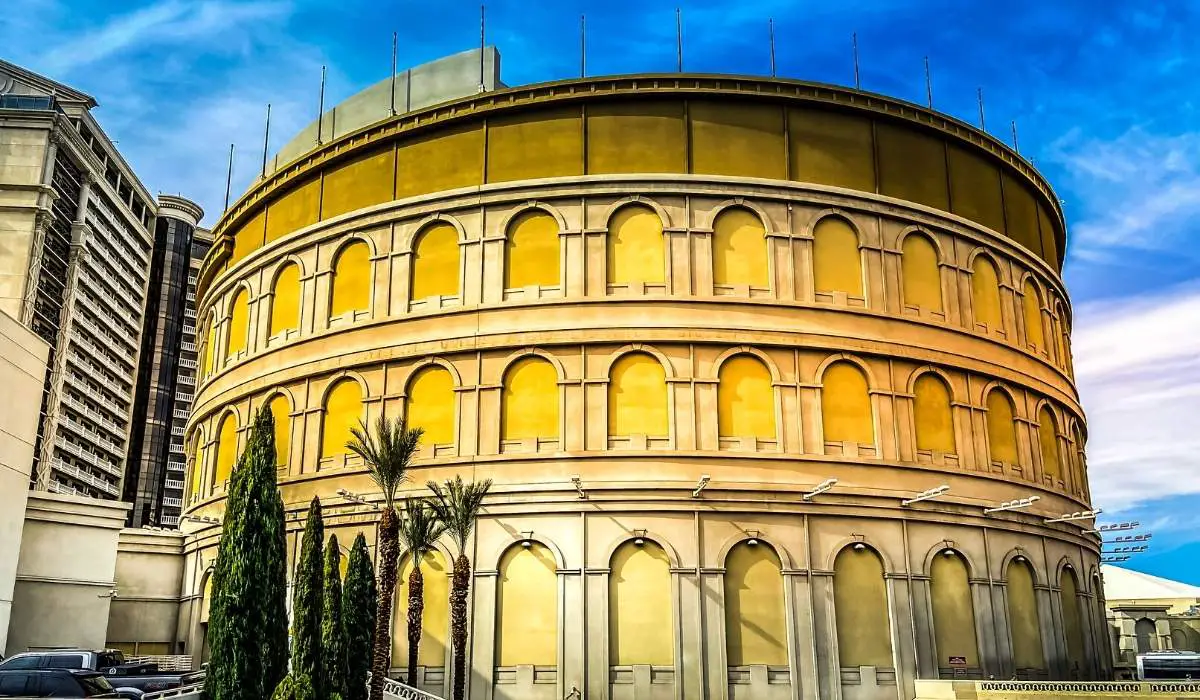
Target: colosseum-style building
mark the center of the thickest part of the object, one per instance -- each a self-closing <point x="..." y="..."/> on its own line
<point x="659" y="311"/>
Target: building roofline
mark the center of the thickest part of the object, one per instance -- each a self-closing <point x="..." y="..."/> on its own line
<point x="54" y="87"/>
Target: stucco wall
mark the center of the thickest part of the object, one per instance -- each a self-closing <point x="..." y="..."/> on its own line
<point x="144" y="614"/>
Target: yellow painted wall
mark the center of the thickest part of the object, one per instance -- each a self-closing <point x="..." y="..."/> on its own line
<point x="975" y="188"/>
<point x="1072" y="620"/>
<point x="755" y="617"/>
<point x="1002" y="430"/>
<point x="430" y="405"/>
<point x="920" y="273"/>
<point x="435" y="619"/>
<point x="953" y="610"/>
<point x="739" y="246"/>
<point x="912" y="165"/>
<point x="449" y="158"/>
<point x="864" y="634"/>
<point x="1020" y="213"/>
<point x="435" y="267"/>
<point x="635" y="246"/>
<point x="227" y="450"/>
<point x="1034" y="334"/>
<point x="295" y="210"/>
<point x="932" y="414"/>
<point x="833" y="151"/>
<point x="1050" y="249"/>
<point x="358" y="183"/>
<point x="846" y="405"/>
<point x="343" y="411"/>
<point x="1023" y="617"/>
<point x="527" y="608"/>
<point x="531" y="252"/>
<point x="529" y="405"/>
<point x="239" y="328"/>
<point x="351" y="280"/>
<point x="546" y="143"/>
<point x="1048" y="442"/>
<point x="743" y="139"/>
<point x="643" y="136"/>
<point x="640" y="625"/>
<point x="285" y="300"/>
<point x="280" y="410"/>
<point x="250" y="237"/>
<point x="837" y="262"/>
<point x="745" y="399"/>
<point x="637" y="396"/>
<point x="985" y="293"/>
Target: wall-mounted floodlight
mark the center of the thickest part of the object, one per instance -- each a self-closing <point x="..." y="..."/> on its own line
<point x="578" y="483"/>
<point x="1127" y="550"/>
<point x="527" y="539"/>
<point x="203" y="519"/>
<point x="1077" y="515"/>
<point x="356" y="498"/>
<point x="704" y="479"/>
<point x="639" y="537"/>
<point x="1013" y="505"/>
<point x="754" y="535"/>
<point x="1114" y="527"/>
<point x="1133" y="538"/>
<point x="820" y="489"/>
<point x="926" y="495"/>
<point x="1113" y="560"/>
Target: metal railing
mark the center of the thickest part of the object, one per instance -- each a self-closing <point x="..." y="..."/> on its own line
<point x="174" y="484"/>
<point x="186" y="363"/>
<point x="88" y="457"/>
<point x="93" y="414"/>
<point x="396" y="689"/>
<point x="190" y="347"/>
<point x="172" y="501"/>
<point x="77" y="473"/>
<point x="97" y="439"/>
<point x="171" y="521"/>
<point x="181" y="413"/>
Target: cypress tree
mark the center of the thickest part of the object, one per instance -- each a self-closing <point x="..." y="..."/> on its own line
<point x="358" y="617"/>
<point x="333" y="632"/>
<point x="247" y="631"/>
<point x="308" y="602"/>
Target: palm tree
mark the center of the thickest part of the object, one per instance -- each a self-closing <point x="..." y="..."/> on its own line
<point x="457" y="505"/>
<point x="419" y="531"/>
<point x="387" y="454"/>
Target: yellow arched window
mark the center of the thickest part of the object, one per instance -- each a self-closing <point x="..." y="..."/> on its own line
<point x="351" y="280"/>
<point x="210" y="343"/>
<point x="1080" y="461"/>
<point x="531" y="251"/>
<point x="197" y="454"/>
<point x="837" y="262"/>
<point x="435" y="620"/>
<point x="1001" y="427"/>
<point x="985" y="293"/>
<point x="281" y="414"/>
<point x="755" y="618"/>
<point x="529" y="403"/>
<point x="430" y="405"/>
<point x="285" y="300"/>
<point x="1048" y="442"/>
<point x="343" y="411"/>
<point x="846" y="405"/>
<point x="745" y="399"/>
<point x="1024" y="629"/>
<point x="1034" y="336"/>
<point x="739" y="248"/>
<point x="864" y="635"/>
<point x="953" y="610"/>
<point x="1062" y="335"/>
<point x="637" y="396"/>
<point x="635" y="246"/>
<point x="435" y="266"/>
<point x="932" y="414"/>
<point x="640" y="628"/>
<point x="239" y="329"/>
<point x="1072" y="621"/>
<point x="922" y="277"/>
<point x="527" y="607"/>
<point x="227" y="450"/>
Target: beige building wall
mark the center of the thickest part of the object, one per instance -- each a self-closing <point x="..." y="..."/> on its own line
<point x="22" y="370"/>
<point x="144" y="613"/>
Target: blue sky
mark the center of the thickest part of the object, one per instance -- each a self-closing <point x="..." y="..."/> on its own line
<point x="1104" y="94"/>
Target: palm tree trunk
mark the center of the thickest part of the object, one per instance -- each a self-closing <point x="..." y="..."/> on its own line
<point x="389" y="553"/>
<point x="416" y="608"/>
<point x="458" y="622"/>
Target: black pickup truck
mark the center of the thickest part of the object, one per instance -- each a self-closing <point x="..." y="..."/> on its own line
<point x="143" y="676"/>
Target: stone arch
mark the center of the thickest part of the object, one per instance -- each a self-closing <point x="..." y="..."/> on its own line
<point x="560" y="561"/>
<point x="641" y="615"/>
<point x="785" y="556"/>
<point x="730" y="353"/>
<point x="218" y="476"/>
<point x="528" y="207"/>
<point x="616" y="206"/>
<point x="284" y="261"/>
<point x="283" y="433"/>
<point x="642" y="348"/>
<point x="518" y="355"/>
<point x="755" y="605"/>
<point x="350" y="240"/>
<point x="530" y="398"/>
<point x="337" y="377"/>
<point x="928" y="235"/>
<point x="836" y="213"/>
<point x="432" y="360"/>
<point x="931" y="369"/>
<point x="861" y="607"/>
<point x="438" y="415"/>
<point x="739" y="203"/>
<point x="1005" y="389"/>
<point x="410" y="237"/>
<point x="852" y="540"/>
<point x="650" y="536"/>
<point x="1019" y="551"/>
<point x="527" y="629"/>
<point x="234" y="293"/>
<point x="872" y="384"/>
<point x="936" y="550"/>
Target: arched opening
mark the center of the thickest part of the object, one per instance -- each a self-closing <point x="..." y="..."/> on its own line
<point x="281" y="411"/>
<point x="227" y="450"/>
<point x="342" y="411"/>
<point x="932" y="414"/>
<point x="837" y="261"/>
<point x="435" y="618"/>
<point x="1048" y="442"/>
<point x="755" y="616"/>
<point x="351" y="280"/>
<point x="285" y="300"/>
<point x="635" y="246"/>
<point x="1024" y="629"/>
<point x="435" y="263"/>
<point x="1145" y="631"/>
<point x="985" y="293"/>
<point x="430" y="405"/>
<point x="864" y="631"/>
<point x="739" y="248"/>
<point x="239" y="329"/>
<point x="1001" y="427"/>
<point x="529" y="400"/>
<point x="210" y="343"/>
<point x="531" y="251"/>
<point x="953" y="611"/>
<point x="1034" y="335"/>
<point x="637" y="396"/>
<point x="1080" y="461"/>
<point x="922" y="277"/>
<point x="641" y="629"/>
<point x="846" y="413"/>
<point x="197" y="467"/>
<point x="527" y="607"/>
<point x="745" y="399"/>
<point x="1072" y="622"/>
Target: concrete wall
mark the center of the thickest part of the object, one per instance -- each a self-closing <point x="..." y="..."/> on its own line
<point x="144" y="614"/>
<point x="65" y="573"/>
<point x="22" y="372"/>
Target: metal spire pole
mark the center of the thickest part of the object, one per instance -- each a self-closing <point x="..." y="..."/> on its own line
<point x="393" y="98"/>
<point x="482" y="43"/>
<point x="321" y="107"/>
<point x="266" y="140"/>
<point x="771" y="34"/>
<point x="582" y="46"/>
<point x="928" y="85"/>
<point x="982" y="121"/>
<point x="1016" y="145"/>
<point x="228" y="177"/>
<point x="678" y="40"/>
<point x="854" y="43"/>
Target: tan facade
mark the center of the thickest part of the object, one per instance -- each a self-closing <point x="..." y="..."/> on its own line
<point x="655" y="368"/>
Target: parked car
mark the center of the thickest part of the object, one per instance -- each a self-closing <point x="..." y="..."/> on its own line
<point x="111" y="662"/>
<point x="60" y="683"/>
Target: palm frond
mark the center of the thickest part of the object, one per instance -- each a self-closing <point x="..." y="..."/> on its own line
<point x="457" y="505"/>
<point x="387" y="452"/>
<point x="420" y="528"/>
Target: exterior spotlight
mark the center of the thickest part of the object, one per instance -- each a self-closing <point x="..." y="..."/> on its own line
<point x="1113" y="560"/>
<point x="578" y="483"/>
<point x="704" y="479"/>
<point x="639" y="537"/>
<point x="859" y="546"/>
<point x="754" y="534"/>
<point x="1019" y="557"/>
<point x="947" y="552"/>
<point x="356" y="498"/>
<point x="527" y="540"/>
<point x="1078" y="515"/>
<point x="926" y="495"/>
<point x="1013" y="505"/>
<point x="820" y="489"/>
<point x="202" y="519"/>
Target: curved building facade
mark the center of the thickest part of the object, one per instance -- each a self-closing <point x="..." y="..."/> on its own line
<point x="659" y="311"/>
